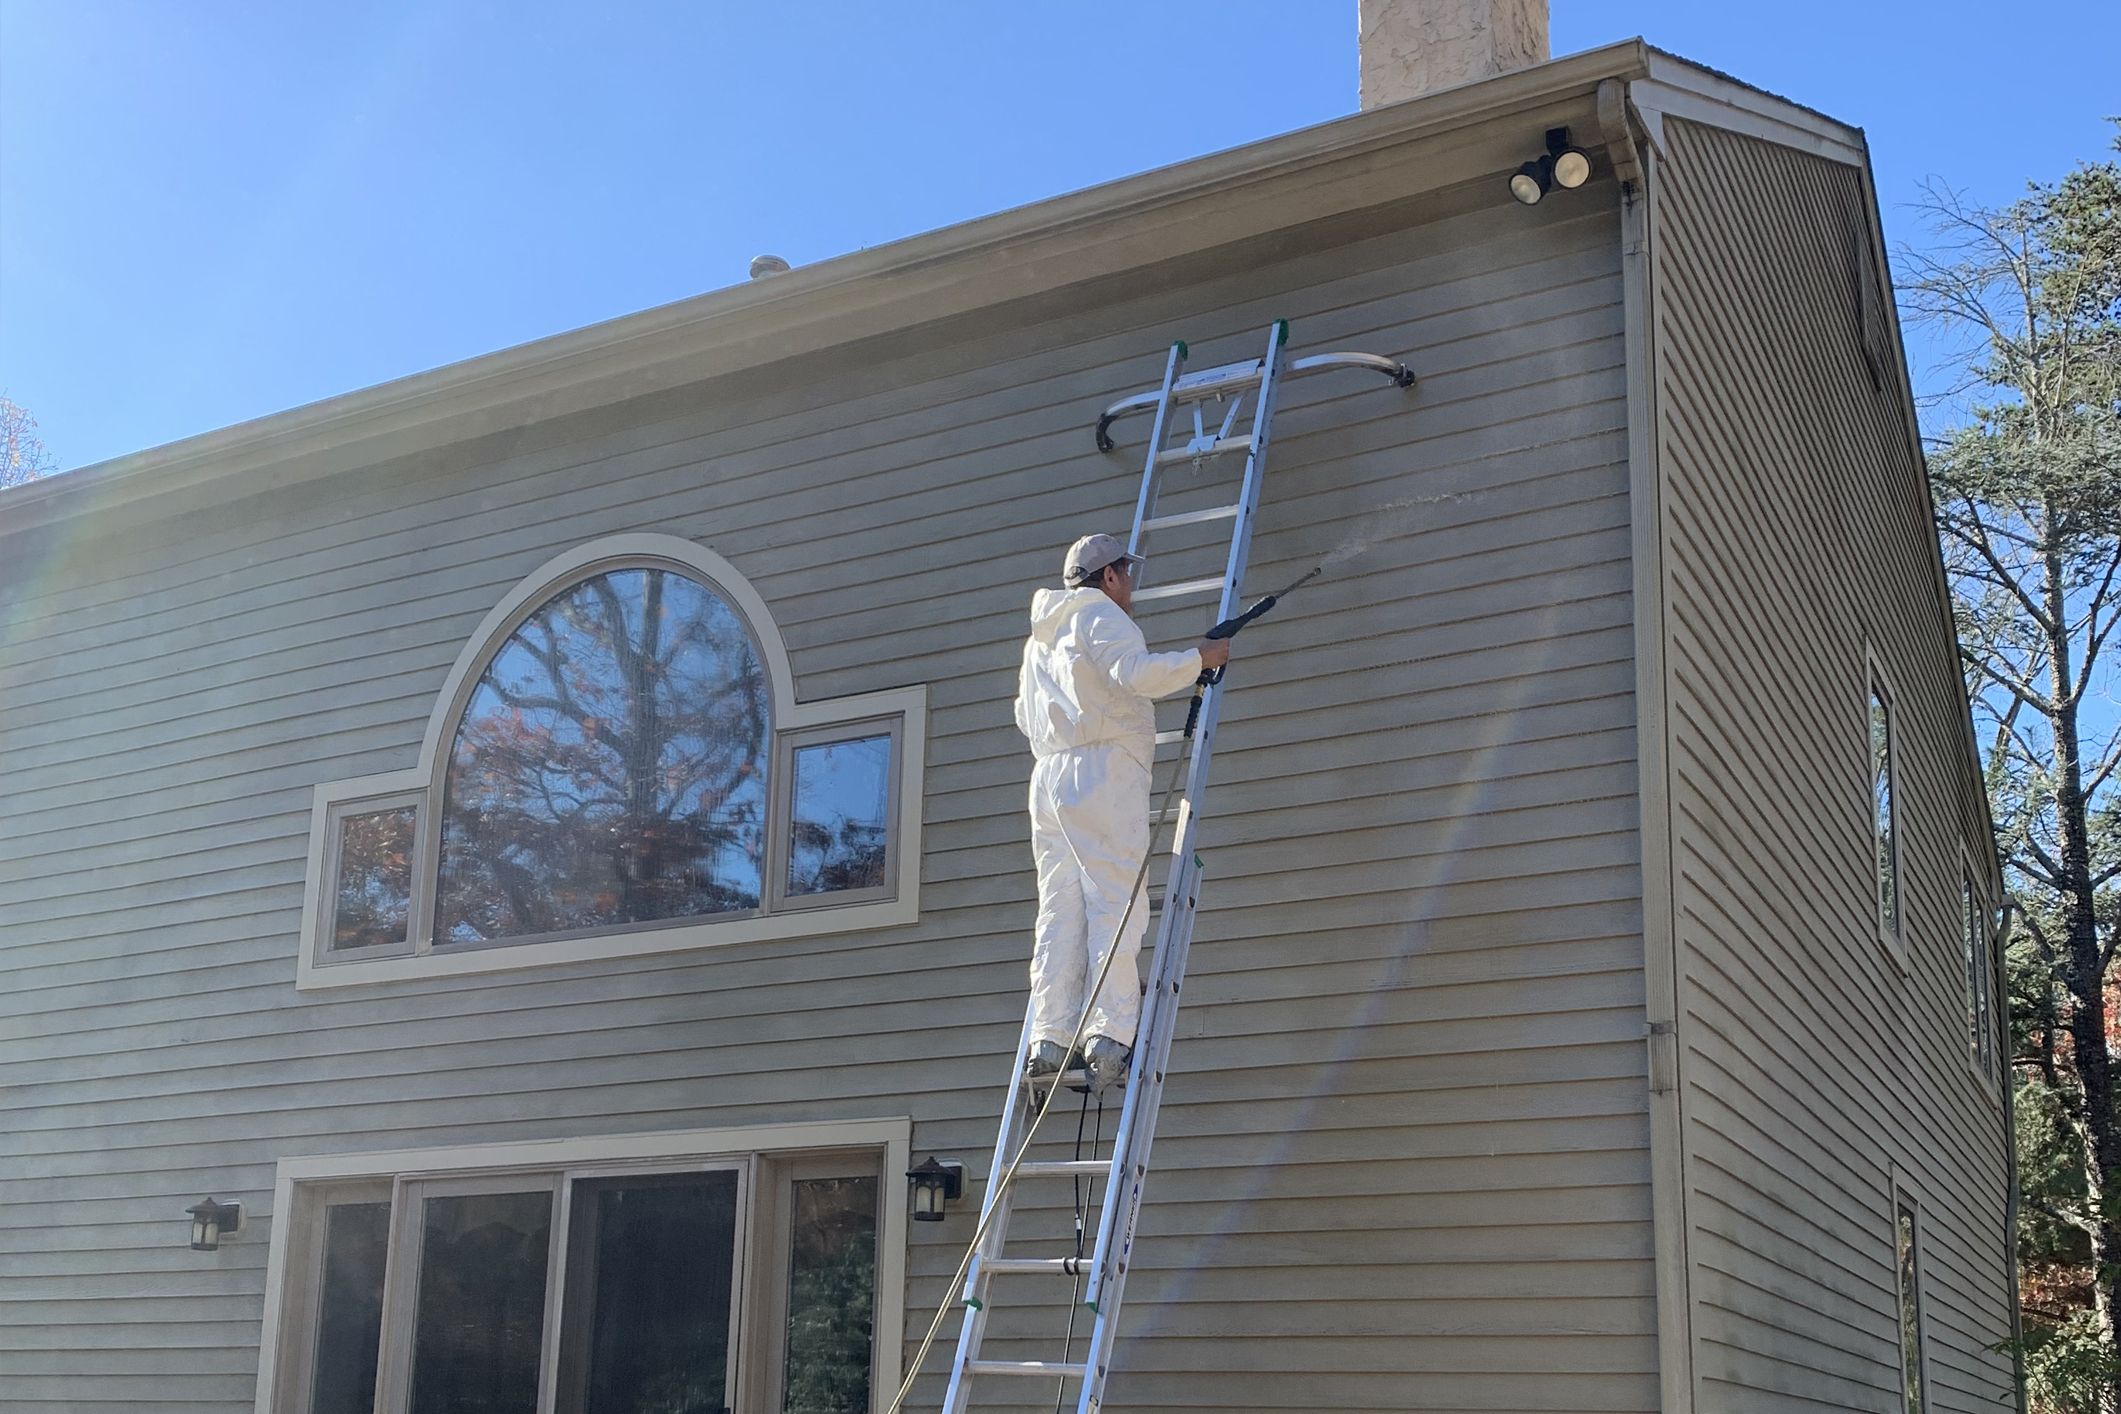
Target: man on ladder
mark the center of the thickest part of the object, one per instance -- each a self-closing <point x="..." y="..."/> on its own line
<point x="1084" y="698"/>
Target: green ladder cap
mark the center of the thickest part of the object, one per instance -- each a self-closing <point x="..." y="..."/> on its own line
<point x="1199" y="863"/>
<point x="1180" y="345"/>
<point x="1281" y="332"/>
<point x="974" y="1303"/>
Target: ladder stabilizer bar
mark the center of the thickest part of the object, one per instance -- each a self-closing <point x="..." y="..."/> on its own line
<point x="1237" y="377"/>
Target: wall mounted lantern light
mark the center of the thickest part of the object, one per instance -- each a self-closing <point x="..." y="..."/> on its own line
<point x="210" y="1220"/>
<point x="1563" y="166"/>
<point x="934" y="1182"/>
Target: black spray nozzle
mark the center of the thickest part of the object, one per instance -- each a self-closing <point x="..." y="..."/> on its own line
<point x="1228" y="628"/>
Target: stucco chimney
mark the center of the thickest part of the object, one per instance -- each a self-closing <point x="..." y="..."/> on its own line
<point x="1411" y="47"/>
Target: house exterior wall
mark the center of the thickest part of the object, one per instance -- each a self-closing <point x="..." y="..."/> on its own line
<point x="1403" y="1158"/>
<point x="1816" y="1071"/>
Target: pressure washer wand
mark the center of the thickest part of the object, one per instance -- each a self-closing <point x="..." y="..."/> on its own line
<point x="1228" y="629"/>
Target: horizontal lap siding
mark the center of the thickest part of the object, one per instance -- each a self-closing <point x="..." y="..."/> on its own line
<point x="1403" y="1158"/>
<point x="1796" y="536"/>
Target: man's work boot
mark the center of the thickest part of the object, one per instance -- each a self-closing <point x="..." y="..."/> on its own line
<point x="1107" y="1060"/>
<point x="1046" y="1058"/>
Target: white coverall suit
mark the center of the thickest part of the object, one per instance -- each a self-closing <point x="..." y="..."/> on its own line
<point x="1084" y="699"/>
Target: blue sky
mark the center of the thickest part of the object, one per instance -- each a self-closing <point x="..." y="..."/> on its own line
<point x="212" y="211"/>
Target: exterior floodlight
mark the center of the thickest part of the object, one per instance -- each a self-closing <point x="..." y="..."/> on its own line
<point x="934" y="1183"/>
<point x="1531" y="181"/>
<point x="1563" y="166"/>
<point x="1571" y="165"/>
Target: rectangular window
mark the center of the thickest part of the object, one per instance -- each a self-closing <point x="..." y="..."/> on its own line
<point x="840" y="805"/>
<point x="590" y="1290"/>
<point x="1983" y="1041"/>
<point x="1908" y="1284"/>
<point x="371" y="879"/>
<point x="831" y="1295"/>
<point x="1885" y="832"/>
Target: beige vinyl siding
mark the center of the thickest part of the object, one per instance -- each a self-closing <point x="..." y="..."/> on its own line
<point x="1797" y="538"/>
<point x="1403" y="1159"/>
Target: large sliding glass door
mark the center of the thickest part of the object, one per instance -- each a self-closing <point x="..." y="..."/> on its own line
<point x="746" y="1284"/>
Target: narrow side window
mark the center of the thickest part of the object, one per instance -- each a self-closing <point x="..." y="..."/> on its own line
<point x="1976" y="982"/>
<point x="1885" y="834"/>
<point x="1908" y="1283"/>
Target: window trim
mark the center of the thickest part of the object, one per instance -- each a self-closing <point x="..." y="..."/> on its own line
<point x="1892" y="938"/>
<point x="526" y="1163"/>
<point x="423" y="783"/>
<point x="306" y="1301"/>
<point x="766" y="1387"/>
<point x="394" y="1358"/>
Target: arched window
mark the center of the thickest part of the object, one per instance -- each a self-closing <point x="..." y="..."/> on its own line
<point x="618" y="765"/>
<point x="610" y="767"/>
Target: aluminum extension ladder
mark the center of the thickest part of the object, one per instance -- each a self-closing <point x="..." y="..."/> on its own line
<point x="1126" y="1170"/>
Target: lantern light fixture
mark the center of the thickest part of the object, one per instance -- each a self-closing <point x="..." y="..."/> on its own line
<point x="211" y="1220"/>
<point x="934" y="1182"/>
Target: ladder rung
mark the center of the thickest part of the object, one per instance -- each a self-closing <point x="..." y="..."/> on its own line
<point x="1166" y="738"/>
<point x="1066" y="1168"/>
<point x="1201" y="451"/>
<point x="1036" y="1266"/>
<point x="1048" y="1369"/>
<point x="1190" y="518"/>
<point x="1179" y="590"/>
<point x="1215" y="382"/>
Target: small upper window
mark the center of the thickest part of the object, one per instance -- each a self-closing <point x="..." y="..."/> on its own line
<point x="610" y="767"/>
<point x="1885" y="831"/>
<point x="839" y="826"/>
<point x="372" y="881"/>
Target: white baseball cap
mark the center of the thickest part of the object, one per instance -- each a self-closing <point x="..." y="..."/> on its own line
<point x="1092" y="553"/>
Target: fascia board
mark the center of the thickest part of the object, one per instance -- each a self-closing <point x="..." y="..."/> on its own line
<point x="1297" y="179"/>
<point x="1682" y="89"/>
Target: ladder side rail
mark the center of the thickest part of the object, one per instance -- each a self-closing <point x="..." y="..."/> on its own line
<point x="1004" y="1151"/>
<point x="1145" y="502"/>
<point x="973" y="1294"/>
<point x="1126" y="1202"/>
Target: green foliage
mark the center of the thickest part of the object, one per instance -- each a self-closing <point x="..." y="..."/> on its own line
<point x="2027" y="489"/>
<point x="2069" y="1369"/>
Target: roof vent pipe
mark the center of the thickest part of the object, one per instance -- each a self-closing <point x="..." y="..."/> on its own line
<point x="764" y="265"/>
<point x="1412" y="47"/>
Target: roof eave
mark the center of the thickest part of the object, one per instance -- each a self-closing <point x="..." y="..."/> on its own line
<point x="1390" y="152"/>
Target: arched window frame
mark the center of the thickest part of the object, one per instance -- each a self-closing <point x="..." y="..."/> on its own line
<point x="900" y="712"/>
